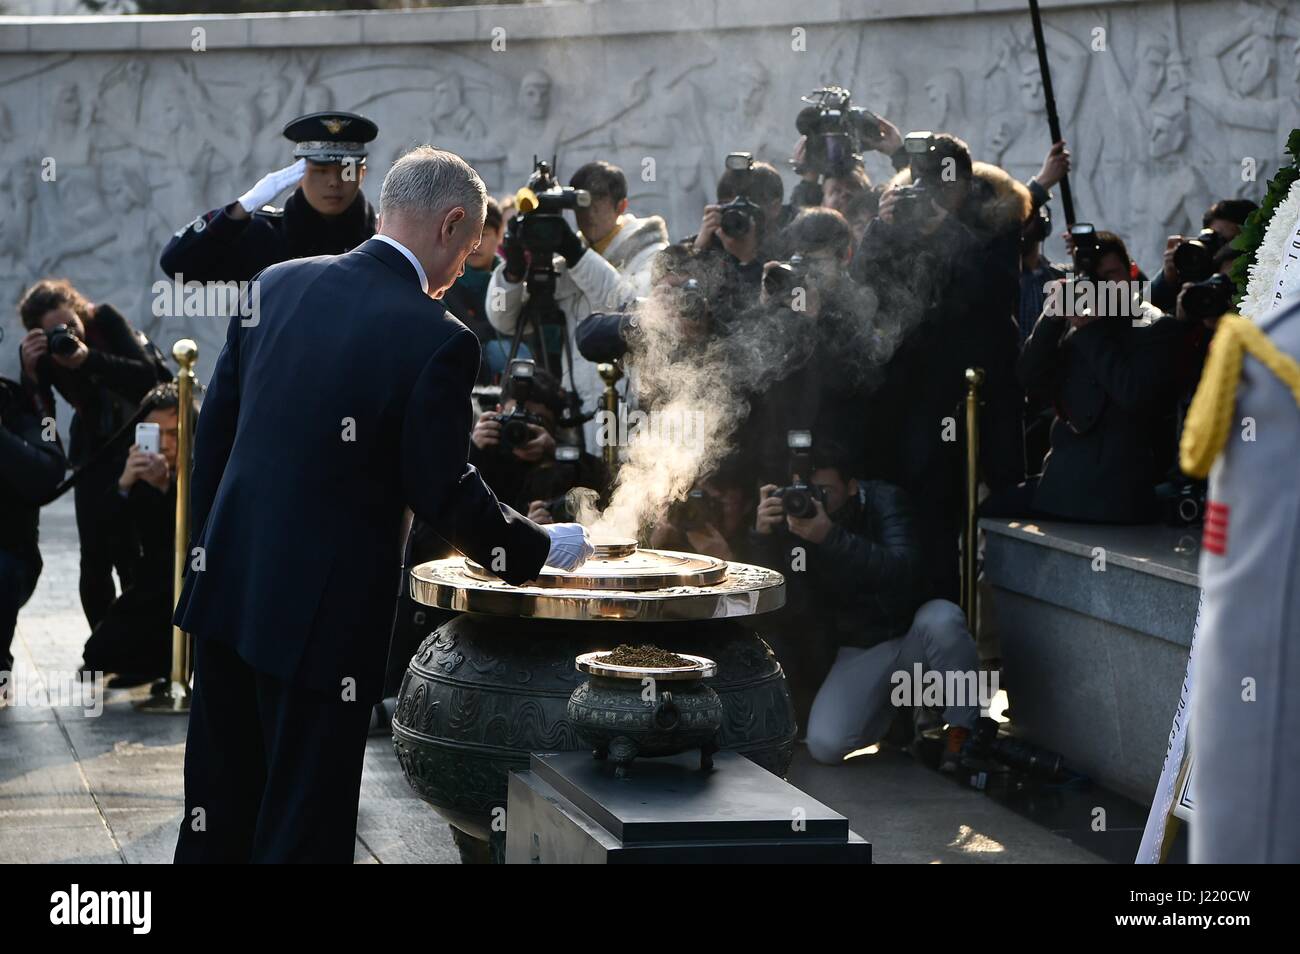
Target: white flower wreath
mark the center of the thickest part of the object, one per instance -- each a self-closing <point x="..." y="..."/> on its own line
<point x="1275" y="272"/>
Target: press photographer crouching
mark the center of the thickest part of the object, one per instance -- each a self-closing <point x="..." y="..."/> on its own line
<point x="31" y="467"/>
<point x="514" y="448"/>
<point x="1105" y="359"/>
<point x="134" y="640"/>
<point x="856" y="611"/>
<point x="92" y="356"/>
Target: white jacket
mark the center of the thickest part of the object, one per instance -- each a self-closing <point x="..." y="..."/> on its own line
<point x="594" y="284"/>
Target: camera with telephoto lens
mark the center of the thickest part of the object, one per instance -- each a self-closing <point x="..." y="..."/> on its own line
<point x="836" y="131"/>
<point x="1194" y="258"/>
<point x="799" y="498"/>
<point x="515" y="430"/>
<point x="1209" y="298"/>
<point x="63" y="340"/>
<point x="540" y="206"/>
<point x="1087" y="248"/>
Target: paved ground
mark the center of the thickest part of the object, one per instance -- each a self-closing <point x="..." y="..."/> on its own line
<point x="107" y="789"/>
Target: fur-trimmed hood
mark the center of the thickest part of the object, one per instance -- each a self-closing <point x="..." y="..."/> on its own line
<point x="636" y="237"/>
<point x="998" y="205"/>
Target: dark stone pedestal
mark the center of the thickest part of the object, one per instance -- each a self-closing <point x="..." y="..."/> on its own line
<point x="569" y="808"/>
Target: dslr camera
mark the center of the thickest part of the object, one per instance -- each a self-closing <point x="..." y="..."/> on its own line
<point x="515" y="430"/>
<point x="697" y="511"/>
<point x="63" y="340"/>
<point x="1208" y="298"/>
<point x="837" y="132"/>
<point x="541" y="206"/>
<point x="1194" y="257"/>
<point x="1087" y="248"/>
<point x="782" y="277"/>
<point x="741" y="215"/>
<point x="798" y="498"/>
<point x="913" y="203"/>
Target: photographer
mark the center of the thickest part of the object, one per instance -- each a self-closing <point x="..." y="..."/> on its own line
<point x="1110" y="377"/>
<point x="327" y="214"/>
<point x="814" y="315"/>
<point x="714" y="517"/>
<point x="602" y="275"/>
<point x="679" y="295"/>
<point x="30" y="469"/>
<point x="942" y="259"/>
<point x="91" y="356"/>
<point x="134" y="640"/>
<point x="1221" y="224"/>
<point x="856" y="610"/>
<point x="514" y="448"/>
<point x="741" y="230"/>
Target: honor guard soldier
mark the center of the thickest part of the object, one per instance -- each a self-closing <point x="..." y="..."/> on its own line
<point x="1243" y="429"/>
<point x="327" y="214"/>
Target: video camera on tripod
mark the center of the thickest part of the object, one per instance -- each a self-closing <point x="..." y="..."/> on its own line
<point x="540" y="220"/>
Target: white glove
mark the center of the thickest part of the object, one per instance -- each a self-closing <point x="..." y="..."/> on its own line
<point x="570" y="547"/>
<point x="271" y="185"/>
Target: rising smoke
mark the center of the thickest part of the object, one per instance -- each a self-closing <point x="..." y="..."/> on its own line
<point x="712" y="379"/>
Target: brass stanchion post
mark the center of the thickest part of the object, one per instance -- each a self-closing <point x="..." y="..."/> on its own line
<point x="610" y="374"/>
<point x="970" y="546"/>
<point x="176" y="696"/>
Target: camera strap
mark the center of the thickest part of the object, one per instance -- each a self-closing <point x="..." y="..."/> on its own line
<point x="99" y="456"/>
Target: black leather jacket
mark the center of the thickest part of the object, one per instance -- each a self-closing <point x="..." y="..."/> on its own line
<point x="865" y="581"/>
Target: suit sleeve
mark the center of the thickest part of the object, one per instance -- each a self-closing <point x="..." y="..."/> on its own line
<point x="215" y="435"/>
<point x="440" y="485"/>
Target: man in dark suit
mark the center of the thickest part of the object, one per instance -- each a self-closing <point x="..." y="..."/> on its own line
<point x="344" y="399"/>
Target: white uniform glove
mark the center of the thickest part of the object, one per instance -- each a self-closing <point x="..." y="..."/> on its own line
<point x="271" y="185"/>
<point x="570" y="547"/>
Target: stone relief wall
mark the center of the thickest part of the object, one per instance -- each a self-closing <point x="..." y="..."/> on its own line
<point x="148" y="134"/>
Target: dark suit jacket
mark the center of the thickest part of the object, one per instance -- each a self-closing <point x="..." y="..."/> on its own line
<point x="348" y="400"/>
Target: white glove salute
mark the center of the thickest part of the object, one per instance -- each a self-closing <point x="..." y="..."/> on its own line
<point x="570" y="547"/>
<point x="271" y="185"/>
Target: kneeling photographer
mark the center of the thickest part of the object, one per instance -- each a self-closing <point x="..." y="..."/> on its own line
<point x="856" y="611"/>
<point x="30" y="470"/>
<point x="134" y="640"/>
<point x="514" y="448"/>
<point x="92" y="356"/>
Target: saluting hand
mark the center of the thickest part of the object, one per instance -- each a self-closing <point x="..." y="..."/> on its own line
<point x="267" y="188"/>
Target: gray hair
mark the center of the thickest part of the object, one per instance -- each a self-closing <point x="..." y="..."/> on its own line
<point x="427" y="181"/>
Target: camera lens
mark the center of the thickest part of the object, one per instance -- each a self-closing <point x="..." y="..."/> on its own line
<point x="62" y="341"/>
<point x="735" y="223"/>
<point x="1194" y="261"/>
<point x="798" y="503"/>
<point x="516" y="432"/>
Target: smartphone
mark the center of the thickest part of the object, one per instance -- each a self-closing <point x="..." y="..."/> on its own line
<point x="148" y="437"/>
